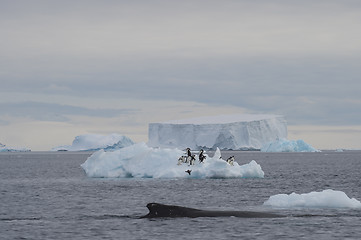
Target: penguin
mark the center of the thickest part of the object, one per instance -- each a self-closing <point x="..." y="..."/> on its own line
<point x="181" y="160"/>
<point x="192" y="160"/>
<point x="188" y="171"/>
<point x="230" y="160"/>
<point x="201" y="156"/>
<point x="189" y="154"/>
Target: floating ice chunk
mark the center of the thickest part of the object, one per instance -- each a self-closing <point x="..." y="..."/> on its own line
<point x="285" y="145"/>
<point x="4" y="148"/>
<point x="326" y="199"/>
<point x="94" y="142"/>
<point x="142" y="161"/>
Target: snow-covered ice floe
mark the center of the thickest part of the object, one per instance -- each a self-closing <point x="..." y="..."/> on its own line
<point x="4" y="148"/>
<point x="326" y="199"/>
<point x="94" y="142"/>
<point x="285" y="145"/>
<point x="142" y="161"/>
<point x="230" y="132"/>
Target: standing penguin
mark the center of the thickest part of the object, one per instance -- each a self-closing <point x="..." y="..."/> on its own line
<point x="192" y="160"/>
<point x="189" y="154"/>
<point x="201" y="156"/>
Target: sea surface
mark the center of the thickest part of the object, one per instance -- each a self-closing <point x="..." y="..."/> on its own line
<point x="47" y="195"/>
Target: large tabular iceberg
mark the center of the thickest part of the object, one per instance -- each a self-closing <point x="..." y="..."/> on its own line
<point x="94" y="142"/>
<point x="285" y="145"/>
<point x="326" y="199"/>
<point x="233" y="132"/>
<point x="142" y="161"/>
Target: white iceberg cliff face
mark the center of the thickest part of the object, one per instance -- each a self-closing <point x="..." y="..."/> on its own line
<point x="326" y="199"/>
<point x="142" y="161"/>
<point x="232" y="132"/>
<point x="94" y="142"/>
<point x="285" y="145"/>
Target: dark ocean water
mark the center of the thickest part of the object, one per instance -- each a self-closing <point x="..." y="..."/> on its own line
<point x="46" y="195"/>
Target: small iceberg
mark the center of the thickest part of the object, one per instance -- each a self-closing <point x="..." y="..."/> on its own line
<point x="142" y="161"/>
<point x="4" y="148"/>
<point x="326" y="199"/>
<point x="95" y="142"/>
<point x="285" y="145"/>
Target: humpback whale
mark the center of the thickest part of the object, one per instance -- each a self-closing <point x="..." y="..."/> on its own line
<point x="157" y="210"/>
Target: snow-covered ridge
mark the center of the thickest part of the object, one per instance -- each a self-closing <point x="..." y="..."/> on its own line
<point x="234" y="132"/>
<point x="326" y="199"/>
<point x="94" y="142"/>
<point x="142" y="161"/>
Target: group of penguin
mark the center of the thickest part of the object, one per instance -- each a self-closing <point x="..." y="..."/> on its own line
<point x="191" y="158"/>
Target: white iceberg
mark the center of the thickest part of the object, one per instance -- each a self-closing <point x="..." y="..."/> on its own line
<point x="285" y="145"/>
<point x="94" y="142"/>
<point x="231" y="132"/>
<point x="4" y="148"/>
<point x="142" y="161"/>
<point x="326" y="199"/>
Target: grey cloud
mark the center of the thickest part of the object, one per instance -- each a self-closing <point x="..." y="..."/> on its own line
<point x="301" y="59"/>
<point x="56" y="112"/>
<point x="4" y="122"/>
<point x="312" y="89"/>
<point x="129" y="28"/>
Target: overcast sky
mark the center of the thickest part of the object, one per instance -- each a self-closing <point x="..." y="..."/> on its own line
<point x="74" y="67"/>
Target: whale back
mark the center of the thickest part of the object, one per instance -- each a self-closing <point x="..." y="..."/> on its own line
<point x="157" y="210"/>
